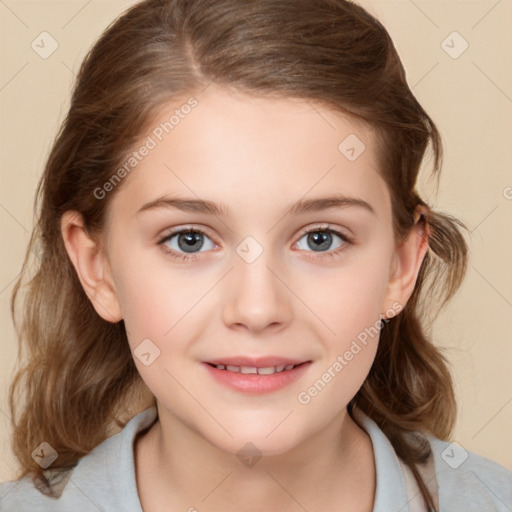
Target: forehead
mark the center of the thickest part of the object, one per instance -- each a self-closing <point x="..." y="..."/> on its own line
<point x="251" y="152"/>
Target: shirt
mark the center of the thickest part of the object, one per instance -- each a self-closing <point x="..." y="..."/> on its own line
<point x="104" y="479"/>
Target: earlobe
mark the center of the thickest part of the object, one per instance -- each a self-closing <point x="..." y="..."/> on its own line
<point x="91" y="265"/>
<point x="406" y="264"/>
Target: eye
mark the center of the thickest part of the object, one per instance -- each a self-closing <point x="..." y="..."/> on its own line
<point x="189" y="240"/>
<point x="321" y="238"/>
<point x="184" y="244"/>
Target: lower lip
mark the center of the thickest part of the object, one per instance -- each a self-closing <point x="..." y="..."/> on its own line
<point x="255" y="383"/>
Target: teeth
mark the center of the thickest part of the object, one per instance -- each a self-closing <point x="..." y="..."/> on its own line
<point x="252" y="369"/>
<point x="266" y="371"/>
<point x="248" y="369"/>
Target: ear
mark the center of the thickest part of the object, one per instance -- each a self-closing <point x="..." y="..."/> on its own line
<point x="406" y="265"/>
<point x="91" y="265"/>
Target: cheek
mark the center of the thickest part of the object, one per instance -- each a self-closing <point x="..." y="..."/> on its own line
<point x="352" y="312"/>
<point x="349" y="299"/>
<point x="157" y="306"/>
<point x="144" y="307"/>
<point x="155" y="294"/>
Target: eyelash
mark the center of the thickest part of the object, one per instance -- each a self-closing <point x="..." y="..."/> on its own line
<point x="324" y="229"/>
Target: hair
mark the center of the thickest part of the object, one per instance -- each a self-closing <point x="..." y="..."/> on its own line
<point x="78" y="383"/>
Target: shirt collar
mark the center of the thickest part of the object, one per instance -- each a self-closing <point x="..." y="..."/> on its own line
<point x="115" y="481"/>
<point x="390" y="494"/>
<point x="391" y="490"/>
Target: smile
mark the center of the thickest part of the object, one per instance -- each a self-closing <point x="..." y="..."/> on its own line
<point x="256" y="380"/>
<point x="269" y="370"/>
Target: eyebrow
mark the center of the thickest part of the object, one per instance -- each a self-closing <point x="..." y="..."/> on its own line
<point x="212" y="208"/>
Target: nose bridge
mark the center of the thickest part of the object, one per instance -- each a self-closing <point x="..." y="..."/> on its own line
<point x="256" y="297"/>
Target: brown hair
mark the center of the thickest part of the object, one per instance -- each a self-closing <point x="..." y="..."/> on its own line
<point x="79" y="377"/>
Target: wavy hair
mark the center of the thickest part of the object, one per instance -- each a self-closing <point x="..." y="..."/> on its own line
<point x="76" y="382"/>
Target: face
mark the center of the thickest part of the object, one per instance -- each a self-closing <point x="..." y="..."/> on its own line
<point x="273" y="273"/>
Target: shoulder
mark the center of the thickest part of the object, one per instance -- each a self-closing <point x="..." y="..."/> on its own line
<point x="104" y="479"/>
<point x="26" y="495"/>
<point x="468" y="481"/>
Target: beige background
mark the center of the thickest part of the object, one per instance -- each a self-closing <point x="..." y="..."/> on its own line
<point x="469" y="97"/>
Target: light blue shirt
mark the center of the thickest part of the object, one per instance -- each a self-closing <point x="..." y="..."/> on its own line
<point x="104" y="480"/>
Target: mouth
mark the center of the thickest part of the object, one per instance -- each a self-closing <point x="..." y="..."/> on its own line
<point x="256" y="376"/>
<point x="259" y="370"/>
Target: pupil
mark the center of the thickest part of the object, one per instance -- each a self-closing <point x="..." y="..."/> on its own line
<point x="321" y="236"/>
<point x="190" y="239"/>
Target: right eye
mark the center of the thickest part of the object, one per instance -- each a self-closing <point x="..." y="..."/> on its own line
<point x="186" y="240"/>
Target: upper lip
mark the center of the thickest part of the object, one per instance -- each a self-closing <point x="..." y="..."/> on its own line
<point x="256" y="362"/>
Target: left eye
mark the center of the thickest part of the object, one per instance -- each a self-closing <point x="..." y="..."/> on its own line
<point x="321" y="239"/>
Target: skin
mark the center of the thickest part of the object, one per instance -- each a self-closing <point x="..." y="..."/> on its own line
<point x="257" y="156"/>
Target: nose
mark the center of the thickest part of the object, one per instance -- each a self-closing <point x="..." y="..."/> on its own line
<point x="256" y="297"/>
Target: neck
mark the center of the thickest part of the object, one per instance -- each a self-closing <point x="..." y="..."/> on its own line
<point x="331" y="470"/>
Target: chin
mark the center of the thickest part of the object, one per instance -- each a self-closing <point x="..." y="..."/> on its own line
<point x="268" y="438"/>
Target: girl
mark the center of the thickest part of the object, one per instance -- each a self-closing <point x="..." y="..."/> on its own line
<point x="284" y="363"/>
